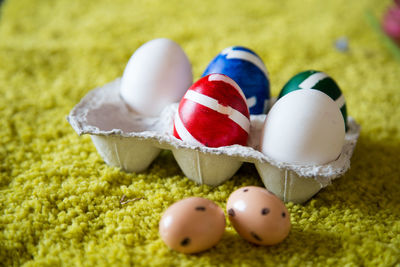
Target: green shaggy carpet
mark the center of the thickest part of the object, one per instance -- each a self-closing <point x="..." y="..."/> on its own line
<point x="59" y="202"/>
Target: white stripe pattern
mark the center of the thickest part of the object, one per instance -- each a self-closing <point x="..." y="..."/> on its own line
<point x="213" y="104"/>
<point x="312" y="80"/>
<point x="316" y="78"/>
<point x="251" y="102"/>
<point x="245" y="55"/>
<point x="340" y="101"/>
<point x="184" y="133"/>
<point x="226" y="79"/>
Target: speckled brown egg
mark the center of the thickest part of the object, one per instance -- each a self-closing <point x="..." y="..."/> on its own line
<point x="192" y="225"/>
<point x="258" y="215"/>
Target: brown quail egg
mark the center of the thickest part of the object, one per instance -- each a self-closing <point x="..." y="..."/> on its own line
<point x="258" y="215"/>
<point x="192" y="225"/>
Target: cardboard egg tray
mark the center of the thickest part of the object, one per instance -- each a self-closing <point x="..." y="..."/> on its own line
<point x="131" y="142"/>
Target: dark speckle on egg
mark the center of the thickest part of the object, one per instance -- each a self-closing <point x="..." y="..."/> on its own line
<point x="283" y="214"/>
<point x="265" y="211"/>
<point x="245" y="190"/>
<point x="231" y="212"/>
<point x="185" y="242"/>
<point x="201" y="208"/>
<point x="256" y="237"/>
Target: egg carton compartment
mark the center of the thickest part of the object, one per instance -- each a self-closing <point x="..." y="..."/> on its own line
<point x="131" y="142"/>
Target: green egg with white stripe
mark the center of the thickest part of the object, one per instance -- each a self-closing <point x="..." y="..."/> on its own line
<point x="312" y="79"/>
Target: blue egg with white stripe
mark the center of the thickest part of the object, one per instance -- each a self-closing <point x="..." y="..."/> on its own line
<point x="247" y="69"/>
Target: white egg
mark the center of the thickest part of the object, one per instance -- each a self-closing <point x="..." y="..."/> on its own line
<point x="304" y="127"/>
<point x="157" y="74"/>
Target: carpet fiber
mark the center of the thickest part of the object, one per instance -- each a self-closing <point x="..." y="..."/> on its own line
<point x="59" y="202"/>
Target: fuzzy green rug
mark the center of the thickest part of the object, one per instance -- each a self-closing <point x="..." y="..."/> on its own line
<point x="59" y="203"/>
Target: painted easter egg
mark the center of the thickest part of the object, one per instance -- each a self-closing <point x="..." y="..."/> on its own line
<point x="304" y="127"/>
<point x="247" y="69"/>
<point x="213" y="113"/>
<point x="157" y="74"/>
<point x="317" y="80"/>
<point x="192" y="225"/>
<point x="258" y="215"/>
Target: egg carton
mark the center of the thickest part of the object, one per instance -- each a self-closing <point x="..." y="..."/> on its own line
<point x="131" y="142"/>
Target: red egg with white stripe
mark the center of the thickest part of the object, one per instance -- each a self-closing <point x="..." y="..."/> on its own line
<point x="213" y="113"/>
